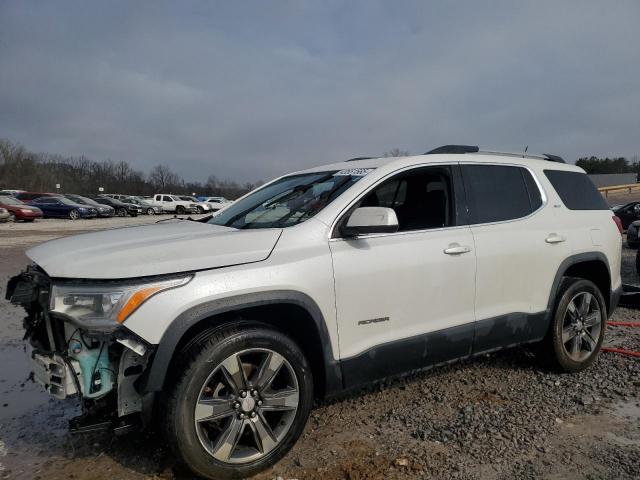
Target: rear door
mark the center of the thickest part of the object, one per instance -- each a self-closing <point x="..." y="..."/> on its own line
<point x="404" y="300"/>
<point x="518" y="252"/>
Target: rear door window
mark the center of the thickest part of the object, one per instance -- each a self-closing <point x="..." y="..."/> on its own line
<point x="576" y="190"/>
<point x="497" y="193"/>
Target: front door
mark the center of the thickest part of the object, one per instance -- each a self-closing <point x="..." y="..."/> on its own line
<point x="405" y="300"/>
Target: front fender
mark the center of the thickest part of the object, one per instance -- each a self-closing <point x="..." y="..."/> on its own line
<point x="155" y="378"/>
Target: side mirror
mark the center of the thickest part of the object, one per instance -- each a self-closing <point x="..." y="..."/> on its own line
<point x="366" y="220"/>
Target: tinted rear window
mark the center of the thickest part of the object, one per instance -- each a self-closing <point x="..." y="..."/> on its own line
<point x="576" y="190"/>
<point x="496" y="193"/>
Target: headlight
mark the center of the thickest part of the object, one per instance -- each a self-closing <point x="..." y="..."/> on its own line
<point x="24" y="210"/>
<point x="104" y="306"/>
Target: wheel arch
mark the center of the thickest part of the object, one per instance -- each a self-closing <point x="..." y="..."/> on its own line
<point x="592" y="266"/>
<point x="294" y="313"/>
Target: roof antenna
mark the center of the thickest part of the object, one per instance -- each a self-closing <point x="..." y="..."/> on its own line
<point x="526" y="148"/>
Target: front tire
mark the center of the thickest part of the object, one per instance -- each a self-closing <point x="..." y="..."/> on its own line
<point x="74" y="214"/>
<point x="577" y="329"/>
<point x="151" y="211"/>
<point x="239" y="401"/>
<point x="180" y="210"/>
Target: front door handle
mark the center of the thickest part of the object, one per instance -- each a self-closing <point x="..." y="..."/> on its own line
<point x="456" y="249"/>
<point x="555" y="238"/>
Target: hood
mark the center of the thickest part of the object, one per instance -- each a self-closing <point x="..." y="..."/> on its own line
<point x="158" y="249"/>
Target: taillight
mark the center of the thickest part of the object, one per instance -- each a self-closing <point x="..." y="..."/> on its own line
<point x="618" y="223"/>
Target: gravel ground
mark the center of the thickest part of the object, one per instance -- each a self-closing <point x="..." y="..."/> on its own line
<point x="500" y="416"/>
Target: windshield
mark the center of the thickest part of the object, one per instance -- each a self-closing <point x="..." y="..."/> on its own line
<point x="66" y="201"/>
<point x="82" y="200"/>
<point x="137" y="201"/>
<point x="288" y="201"/>
<point x="6" y="200"/>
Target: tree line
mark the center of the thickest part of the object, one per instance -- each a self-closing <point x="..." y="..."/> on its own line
<point x="594" y="165"/>
<point x="40" y="172"/>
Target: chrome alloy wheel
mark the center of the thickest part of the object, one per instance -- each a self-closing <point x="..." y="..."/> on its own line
<point x="582" y="326"/>
<point x="246" y="406"/>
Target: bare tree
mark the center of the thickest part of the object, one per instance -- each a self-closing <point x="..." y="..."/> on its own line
<point x="161" y="177"/>
<point x="22" y="169"/>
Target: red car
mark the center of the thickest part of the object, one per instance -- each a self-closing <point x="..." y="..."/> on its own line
<point x="19" y="210"/>
<point x="29" y="196"/>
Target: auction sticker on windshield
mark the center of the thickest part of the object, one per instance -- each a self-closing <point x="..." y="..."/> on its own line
<point x="354" y="172"/>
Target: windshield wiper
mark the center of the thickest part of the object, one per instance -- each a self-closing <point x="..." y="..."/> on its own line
<point x="182" y="219"/>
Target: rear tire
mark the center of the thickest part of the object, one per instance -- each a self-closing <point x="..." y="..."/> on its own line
<point x="264" y="412"/>
<point x="121" y="212"/>
<point x="180" y="210"/>
<point x="12" y="217"/>
<point x="577" y="328"/>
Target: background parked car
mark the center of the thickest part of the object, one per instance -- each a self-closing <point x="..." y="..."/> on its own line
<point x="10" y="192"/>
<point x="117" y="196"/>
<point x="203" y="207"/>
<point x="4" y="215"/>
<point x="173" y="204"/>
<point x="19" y="210"/>
<point x="627" y="213"/>
<point x="27" y="197"/>
<point x="147" y="208"/>
<point x="61" y="207"/>
<point x="217" y="202"/>
<point x="103" y="210"/>
<point x="632" y="234"/>
<point x="122" y="209"/>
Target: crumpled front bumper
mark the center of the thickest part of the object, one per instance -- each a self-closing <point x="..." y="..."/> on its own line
<point x="57" y="375"/>
<point x="104" y="368"/>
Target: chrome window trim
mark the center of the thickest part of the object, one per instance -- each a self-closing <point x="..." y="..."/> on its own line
<point x="374" y="186"/>
<point x="543" y="193"/>
<point x="541" y="189"/>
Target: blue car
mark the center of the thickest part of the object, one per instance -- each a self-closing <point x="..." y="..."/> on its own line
<point x="60" y="207"/>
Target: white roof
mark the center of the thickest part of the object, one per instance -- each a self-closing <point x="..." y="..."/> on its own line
<point x="480" y="157"/>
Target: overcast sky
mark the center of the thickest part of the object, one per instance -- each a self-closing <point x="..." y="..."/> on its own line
<point x="251" y="90"/>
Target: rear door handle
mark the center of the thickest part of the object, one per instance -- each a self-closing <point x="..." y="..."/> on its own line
<point x="456" y="249"/>
<point x="555" y="238"/>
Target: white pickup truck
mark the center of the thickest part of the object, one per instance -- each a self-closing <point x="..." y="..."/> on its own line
<point x="173" y="204"/>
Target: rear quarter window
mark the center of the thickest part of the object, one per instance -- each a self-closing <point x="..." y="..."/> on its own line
<point x="576" y="190"/>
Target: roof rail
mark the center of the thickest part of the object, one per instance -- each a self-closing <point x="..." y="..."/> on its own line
<point x="454" y="149"/>
<point x="457" y="149"/>
<point x="554" y="158"/>
<point x="355" y="159"/>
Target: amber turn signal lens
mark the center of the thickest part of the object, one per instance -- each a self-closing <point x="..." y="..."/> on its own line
<point x="135" y="301"/>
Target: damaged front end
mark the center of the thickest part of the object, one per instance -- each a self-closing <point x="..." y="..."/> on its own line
<point x="78" y="345"/>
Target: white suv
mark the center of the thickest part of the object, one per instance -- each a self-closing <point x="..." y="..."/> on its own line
<point x="316" y="283"/>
